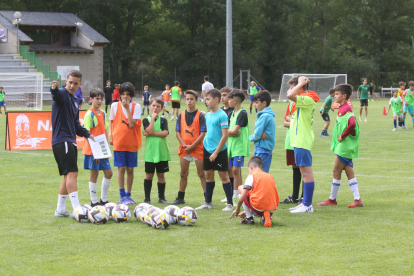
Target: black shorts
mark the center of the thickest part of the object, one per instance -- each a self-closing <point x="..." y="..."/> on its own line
<point x="220" y="164"/>
<point x="161" y="167"/>
<point x="370" y="92"/>
<point x="176" y="104"/>
<point x="146" y="103"/>
<point x="66" y="156"/>
<point x="108" y="101"/>
<point x="325" y="117"/>
<point x="363" y="102"/>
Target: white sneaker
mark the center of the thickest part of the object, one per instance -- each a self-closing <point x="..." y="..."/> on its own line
<point x="228" y="207"/>
<point x="205" y="205"/>
<point x="394" y="129"/>
<point x="303" y="209"/>
<point x="224" y="200"/>
<point x="405" y="127"/>
<point x="172" y="117"/>
<point x="168" y="115"/>
<point x="61" y="215"/>
<point x="360" y="119"/>
<point x="366" y="120"/>
<point x="294" y="208"/>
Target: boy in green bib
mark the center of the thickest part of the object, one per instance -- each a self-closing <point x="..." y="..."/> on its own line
<point x="175" y="99"/>
<point x="157" y="154"/>
<point x="2" y="103"/>
<point x="345" y="145"/>
<point x="253" y="90"/>
<point x="396" y="103"/>
<point x="327" y="105"/>
<point x="238" y="141"/>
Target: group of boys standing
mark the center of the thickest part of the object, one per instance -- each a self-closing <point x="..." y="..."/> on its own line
<point x="218" y="141"/>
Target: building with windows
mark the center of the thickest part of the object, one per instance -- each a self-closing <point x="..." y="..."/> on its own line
<point x="62" y="40"/>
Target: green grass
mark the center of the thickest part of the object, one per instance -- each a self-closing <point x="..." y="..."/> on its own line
<point x="375" y="239"/>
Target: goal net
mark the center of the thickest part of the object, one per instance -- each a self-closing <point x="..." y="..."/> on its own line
<point x="320" y="83"/>
<point x="23" y="91"/>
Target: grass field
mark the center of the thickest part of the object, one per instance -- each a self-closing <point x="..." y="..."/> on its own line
<point x="375" y="239"/>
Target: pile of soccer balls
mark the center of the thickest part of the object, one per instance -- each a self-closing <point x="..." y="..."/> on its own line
<point x="153" y="216"/>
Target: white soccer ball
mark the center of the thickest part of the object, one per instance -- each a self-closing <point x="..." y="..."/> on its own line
<point x="160" y="220"/>
<point x="141" y="214"/>
<point x="87" y="206"/>
<point x="98" y="215"/>
<point x="172" y="211"/>
<point x="81" y="214"/>
<point x="109" y="207"/>
<point x="138" y="209"/>
<point x="121" y="213"/>
<point x="187" y="216"/>
<point x="148" y="214"/>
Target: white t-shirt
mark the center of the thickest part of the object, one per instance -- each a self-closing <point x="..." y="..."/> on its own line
<point x="395" y="100"/>
<point x="136" y="115"/>
<point x="248" y="184"/>
<point x="207" y="86"/>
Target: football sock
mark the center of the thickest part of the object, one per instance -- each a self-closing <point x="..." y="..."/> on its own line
<point x="182" y="194"/>
<point x="354" y="188"/>
<point x="61" y="203"/>
<point x="235" y="193"/>
<point x="106" y="108"/>
<point x="412" y="119"/>
<point x="147" y="188"/>
<point x="247" y="210"/>
<point x="324" y="130"/>
<point x="308" y="188"/>
<point x="128" y="194"/>
<point x="395" y="123"/>
<point x="92" y="190"/>
<point x="335" y="188"/>
<point x="403" y="120"/>
<point x="232" y="181"/>
<point x="209" y="191"/>
<point x="256" y="109"/>
<point x="366" y="117"/>
<point x="205" y="197"/>
<point x="297" y="177"/>
<point x="74" y="200"/>
<point x="147" y="110"/>
<point x="227" y="189"/>
<point x="122" y="192"/>
<point x="250" y="109"/>
<point x="143" y="110"/>
<point x="161" y="190"/>
<point x="104" y="189"/>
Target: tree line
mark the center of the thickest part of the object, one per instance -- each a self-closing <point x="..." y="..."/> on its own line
<point x="162" y="39"/>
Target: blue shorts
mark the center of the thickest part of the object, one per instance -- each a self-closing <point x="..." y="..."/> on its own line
<point x="266" y="158"/>
<point x="89" y="164"/>
<point x="303" y="157"/>
<point x="146" y="103"/>
<point x="345" y="161"/>
<point x="237" y="161"/>
<point x="80" y="102"/>
<point x="409" y="109"/>
<point x="125" y="158"/>
<point x="2" y="103"/>
<point x="252" y="98"/>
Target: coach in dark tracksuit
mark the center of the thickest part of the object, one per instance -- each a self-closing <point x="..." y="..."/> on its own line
<point x="65" y="127"/>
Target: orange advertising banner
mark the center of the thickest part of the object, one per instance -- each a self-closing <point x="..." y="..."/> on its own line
<point x="33" y="130"/>
<point x="335" y="105"/>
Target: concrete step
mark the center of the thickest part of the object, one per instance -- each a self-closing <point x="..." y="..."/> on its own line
<point x="16" y="69"/>
<point x="9" y="62"/>
<point x="7" y="56"/>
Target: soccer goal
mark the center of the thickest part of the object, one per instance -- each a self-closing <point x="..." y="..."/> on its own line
<point x="23" y="91"/>
<point x="320" y="83"/>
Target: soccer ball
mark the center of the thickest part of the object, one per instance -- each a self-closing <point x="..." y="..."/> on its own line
<point x="187" y="216"/>
<point x="109" y="207"/>
<point x="160" y="220"/>
<point x="148" y="214"/>
<point x="138" y="209"/>
<point x="98" y="215"/>
<point x="141" y="214"/>
<point x="172" y="210"/>
<point x="87" y="206"/>
<point x="81" y="214"/>
<point x="121" y="213"/>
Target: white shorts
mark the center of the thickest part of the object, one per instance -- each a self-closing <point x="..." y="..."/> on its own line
<point x="190" y="158"/>
<point x="398" y="115"/>
<point x="165" y="104"/>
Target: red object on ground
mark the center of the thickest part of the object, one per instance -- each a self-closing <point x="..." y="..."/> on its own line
<point x="384" y="112"/>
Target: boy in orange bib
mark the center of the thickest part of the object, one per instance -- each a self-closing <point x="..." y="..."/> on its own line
<point x="190" y="132"/>
<point x="259" y="194"/>
<point x="94" y="121"/>
<point x="125" y="135"/>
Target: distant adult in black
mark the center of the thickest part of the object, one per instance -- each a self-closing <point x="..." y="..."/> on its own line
<point x="371" y="91"/>
<point x="108" y="90"/>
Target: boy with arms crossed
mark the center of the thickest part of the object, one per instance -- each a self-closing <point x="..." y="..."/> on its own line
<point x="125" y="135"/>
<point x="397" y="107"/>
<point x="65" y="127"/>
<point x="238" y="141"/>
<point x="190" y="132"/>
<point x="362" y="95"/>
<point x="345" y="145"/>
<point x="215" y="156"/>
<point x="264" y="136"/>
<point x="258" y="195"/>
<point x="325" y="112"/>
<point x="157" y="153"/>
<point x="301" y="139"/>
<point x="175" y="99"/>
<point x="94" y="121"/>
<point x="408" y="98"/>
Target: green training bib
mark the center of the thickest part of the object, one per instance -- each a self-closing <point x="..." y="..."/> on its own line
<point x="175" y="94"/>
<point x="156" y="148"/>
<point x="409" y="98"/>
<point x="396" y="105"/>
<point x="238" y="145"/>
<point x="348" y="147"/>
<point x="253" y="90"/>
<point x="287" y="140"/>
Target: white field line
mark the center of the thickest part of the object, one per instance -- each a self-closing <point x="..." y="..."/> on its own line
<point x="276" y="170"/>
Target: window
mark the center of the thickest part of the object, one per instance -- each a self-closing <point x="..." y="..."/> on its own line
<point x="55" y="37"/>
<point x="40" y="37"/>
<point x="66" y="37"/>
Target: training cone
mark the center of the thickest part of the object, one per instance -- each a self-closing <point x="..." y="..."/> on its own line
<point x="384" y="112"/>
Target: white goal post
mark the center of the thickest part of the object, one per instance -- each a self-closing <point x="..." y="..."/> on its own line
<point x="320" y="83"/>
<point x="23" y="91"/>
